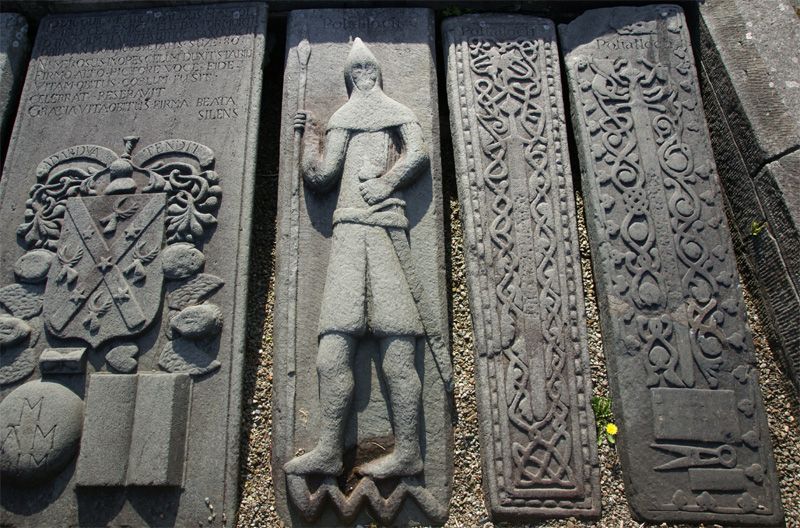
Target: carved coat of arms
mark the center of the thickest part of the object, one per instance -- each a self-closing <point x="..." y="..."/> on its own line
<point x="107" y="278"/>
<point x="110" y="239"/>
<point x="107" y="235"/>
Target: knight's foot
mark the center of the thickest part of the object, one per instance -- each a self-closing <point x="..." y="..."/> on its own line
<point x="316" y="461"/>
<point x="392" y="465"/>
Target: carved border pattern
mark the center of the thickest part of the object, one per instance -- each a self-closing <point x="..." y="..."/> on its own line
<point x="682" y="312"/>
<point x="517" y="242"/>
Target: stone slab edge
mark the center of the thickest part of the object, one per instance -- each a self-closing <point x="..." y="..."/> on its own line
<point x="14" y="50"/>
<point x="613" y="345"/>
<point x="764" y="127"/>
<point x="743" y="143"/>
<point x="481" y="293"/>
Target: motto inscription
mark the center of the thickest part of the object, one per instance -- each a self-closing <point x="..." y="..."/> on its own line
<point x="139" y="71"/>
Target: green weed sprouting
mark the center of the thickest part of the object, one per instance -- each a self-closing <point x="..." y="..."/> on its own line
<point x="757" y="227"/>
<point x="606" y="429"/>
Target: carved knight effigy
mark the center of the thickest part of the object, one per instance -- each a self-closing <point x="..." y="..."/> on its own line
<point x="377" y="325"/>
<point x="694" y="442"/>
<point x="108" y="237"/>
<point x="367" y="285"/>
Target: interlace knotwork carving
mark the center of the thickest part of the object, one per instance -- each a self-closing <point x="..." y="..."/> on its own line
<point x="507" y="87"/>
<point x="613" y="91"/>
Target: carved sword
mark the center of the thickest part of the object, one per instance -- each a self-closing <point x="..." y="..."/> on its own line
<point x="427" y="312"/>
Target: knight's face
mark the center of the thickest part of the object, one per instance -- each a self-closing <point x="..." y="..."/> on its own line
<point x="364" y="75"/>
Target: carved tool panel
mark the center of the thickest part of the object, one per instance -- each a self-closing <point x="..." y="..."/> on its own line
<point x="694" y="440"/>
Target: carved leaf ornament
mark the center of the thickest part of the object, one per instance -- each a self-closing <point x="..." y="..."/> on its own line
<point x="100" y="221"/>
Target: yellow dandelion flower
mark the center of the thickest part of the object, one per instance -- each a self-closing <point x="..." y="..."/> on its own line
<point x="611" y="429"/>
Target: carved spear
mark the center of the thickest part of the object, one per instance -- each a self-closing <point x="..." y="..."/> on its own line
<point x="303" y="51"/>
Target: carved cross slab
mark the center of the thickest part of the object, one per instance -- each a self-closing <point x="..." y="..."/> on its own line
<point x="694" y="441"/>
<point x="514" y="185"/>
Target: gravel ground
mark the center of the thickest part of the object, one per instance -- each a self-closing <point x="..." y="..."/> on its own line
<point x="467" y="509"/>
<point x="257" y="509"/>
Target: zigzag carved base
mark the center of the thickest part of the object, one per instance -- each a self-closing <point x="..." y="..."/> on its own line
<point x="348" y="506"/>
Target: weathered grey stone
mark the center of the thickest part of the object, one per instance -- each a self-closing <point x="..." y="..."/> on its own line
<point x="679" y="351"/>
<point x="159" y="430"/>
<point x="18" y="337"/>
<point x="40" y="427"/>
<point x="751" y="94"/>
<point x="196" y="322"/>
<point x="12" y="330"/>
<point x="136" y="178"/>
<point x="182" y="260"/>
<point x="14" y="48"/>
<point x="63" y="360"/>
<point x="745" y="49"/>
<point x="123" y="358"/>
<point x="183" y="355"/>
<point x="515" y="187"/>
<point x="362" y="365"/>
<point x="107" y="428"/>
<point x="135" y="430"/>
<point x="34" y="265"/>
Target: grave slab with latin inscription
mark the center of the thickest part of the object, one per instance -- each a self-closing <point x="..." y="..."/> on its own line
<point x="515" y="188"/>
<point x="14" y="48"/>
<point x="693" y="441"/>
<point x="362" y="423"/>
<point x="126" y="205"/>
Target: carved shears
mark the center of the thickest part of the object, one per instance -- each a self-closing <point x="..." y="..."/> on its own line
<point x="723" y="455"/>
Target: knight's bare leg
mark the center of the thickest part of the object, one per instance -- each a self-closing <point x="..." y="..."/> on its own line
<point x="405" y="392"/>
<point x="335" y="372"/>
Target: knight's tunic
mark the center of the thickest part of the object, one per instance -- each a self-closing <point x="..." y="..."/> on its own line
<point x="365" y="288"/>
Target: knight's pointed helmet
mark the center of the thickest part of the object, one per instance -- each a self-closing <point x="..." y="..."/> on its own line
<point x="360" y="54"/>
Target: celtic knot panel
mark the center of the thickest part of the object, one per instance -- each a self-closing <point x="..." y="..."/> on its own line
<point x="518" y="211"/>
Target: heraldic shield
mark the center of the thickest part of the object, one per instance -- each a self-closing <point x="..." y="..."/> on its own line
<point x="107" y="280"/>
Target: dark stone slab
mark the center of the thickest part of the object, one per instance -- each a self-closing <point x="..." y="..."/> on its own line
<point x="362" y="362"/>
<point x="159" y="430"/>
<point x="126" y="208"/>
<point x="515" y="188"/>
<point x="14" y="48"/>
<point x="752" y="99"/>
<point x="107" y="427"/>
<point x="680" y="354"/>
<point x="743" y="48"/>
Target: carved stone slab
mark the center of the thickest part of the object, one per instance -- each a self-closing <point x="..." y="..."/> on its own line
<point x="361" y="354"/>
<point x="694" y="442"/>
<point x="14" y="47"/>
<point x="515" y="188"/>
<point x="752" y="100"/>
<point x="126" y="208"/>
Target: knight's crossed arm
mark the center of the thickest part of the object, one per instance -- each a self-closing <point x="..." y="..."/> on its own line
<point x="321" y="168"/>
<point x="413" y="159"/>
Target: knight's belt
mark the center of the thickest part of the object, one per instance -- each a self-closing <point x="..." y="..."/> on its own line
<point x="388" y="213"/>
